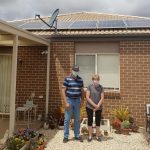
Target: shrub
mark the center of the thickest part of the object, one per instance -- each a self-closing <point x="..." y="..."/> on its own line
<point x="126" y="124"/>
<point x="120" y="113"/>
<point x="116" y="124"/>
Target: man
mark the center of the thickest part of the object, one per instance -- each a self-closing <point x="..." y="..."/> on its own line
<point x="72" y="92"/>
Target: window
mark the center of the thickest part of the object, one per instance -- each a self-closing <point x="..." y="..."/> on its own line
<point x="106" y="65"/>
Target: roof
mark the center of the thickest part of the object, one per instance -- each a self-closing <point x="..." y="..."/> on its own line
<point x="83" y="23"/>
<point x="8" y="31"/>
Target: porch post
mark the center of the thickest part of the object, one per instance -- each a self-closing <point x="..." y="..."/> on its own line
<point x="13" y="86"/>
<point x="47" y="80"/>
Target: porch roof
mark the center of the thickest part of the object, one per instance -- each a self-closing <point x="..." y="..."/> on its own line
<point x="25" y="38"/>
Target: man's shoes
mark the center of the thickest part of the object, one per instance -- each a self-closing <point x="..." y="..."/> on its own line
<point x="89" y="139"/>
<point x="79" y="139"/>
<point x="65" y="140"/>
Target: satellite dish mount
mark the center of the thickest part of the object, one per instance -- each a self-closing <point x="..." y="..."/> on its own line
<point x="52" y="20"/>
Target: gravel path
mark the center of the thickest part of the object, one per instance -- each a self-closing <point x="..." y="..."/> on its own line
<point x="134" y="141"/>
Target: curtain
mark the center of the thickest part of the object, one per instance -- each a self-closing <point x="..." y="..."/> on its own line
<point x="108" y="69"/>
<point x="86" y="65"/>
<point x="5" y="82"/>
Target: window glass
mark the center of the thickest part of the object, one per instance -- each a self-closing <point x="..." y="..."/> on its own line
<point x="108" y="68"/>
<point x="87" y="67"/>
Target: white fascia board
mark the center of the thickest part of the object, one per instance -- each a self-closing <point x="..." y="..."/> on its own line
<point x="6" y="27"/>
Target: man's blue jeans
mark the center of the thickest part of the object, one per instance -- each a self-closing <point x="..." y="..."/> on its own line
<point x="75" y="110"/>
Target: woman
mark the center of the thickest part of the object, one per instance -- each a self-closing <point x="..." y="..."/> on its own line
<point x="95" y="98"/>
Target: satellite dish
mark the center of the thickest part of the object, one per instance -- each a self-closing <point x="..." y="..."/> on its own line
<point x="53" y="17"/>
<point x="52" y="20"/>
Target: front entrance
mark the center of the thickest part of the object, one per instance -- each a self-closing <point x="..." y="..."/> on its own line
<point x="5" y="82"/>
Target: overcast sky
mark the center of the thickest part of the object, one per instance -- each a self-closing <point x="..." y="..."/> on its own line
<point x="22" y="9"/>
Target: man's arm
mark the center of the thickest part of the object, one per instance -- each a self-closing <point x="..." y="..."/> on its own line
<point x="66" y="104"/>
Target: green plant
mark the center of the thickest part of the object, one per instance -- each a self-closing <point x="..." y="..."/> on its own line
<point x="20" y="138"/>
<point x="126" y="124"/>
<point x="15" y="143"/>
<point x="120" y="113"/>
<point x="39" y="144"/>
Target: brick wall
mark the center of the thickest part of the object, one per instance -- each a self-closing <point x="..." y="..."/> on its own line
<point x="31" y="76"/>
<point x="134" y="77"/>
<point x="62" y="58"/>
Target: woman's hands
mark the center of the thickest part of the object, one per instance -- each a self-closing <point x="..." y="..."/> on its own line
<point x="96" y="107"/>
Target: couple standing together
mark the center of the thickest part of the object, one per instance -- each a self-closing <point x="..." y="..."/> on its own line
<point x="73" y="97"/>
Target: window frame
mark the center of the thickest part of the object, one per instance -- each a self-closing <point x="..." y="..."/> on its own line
<point x="96" y="65"/>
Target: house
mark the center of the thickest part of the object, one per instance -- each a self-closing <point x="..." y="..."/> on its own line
<point x="115" y="46"/>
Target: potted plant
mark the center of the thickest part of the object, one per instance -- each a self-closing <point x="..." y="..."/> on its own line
<point x="39" y="144"/>
<point x="120" y="113"/>
<point x="125" y="127"/>
<point x="21" y="139"/>
<point x="15" y="143"/>
<point x="133" y="126"/>
<point x="116" y="124"/>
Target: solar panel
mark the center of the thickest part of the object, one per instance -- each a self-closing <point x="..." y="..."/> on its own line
<point x="138" y="23"/>
<point x="86" y="24"/>
<point x="32" y="25"/>
<point x="60" y="25"/>
<point x="111" y="24"/>
<point x="64" y="24"/>
<point x="17" y="23"/>
<point x="83" y="25"/>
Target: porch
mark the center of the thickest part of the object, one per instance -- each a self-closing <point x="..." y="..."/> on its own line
<point x="13" y="37"/>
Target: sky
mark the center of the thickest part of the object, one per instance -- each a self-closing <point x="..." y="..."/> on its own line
<point x="24" y="9"/>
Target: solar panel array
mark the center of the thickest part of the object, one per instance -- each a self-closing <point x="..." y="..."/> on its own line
<point x="111" y="24"/>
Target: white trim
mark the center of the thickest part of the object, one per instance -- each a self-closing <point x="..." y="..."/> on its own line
<point x="13" y="87"/>
<point x="47" y="80"/>
<point x="6" y="27"/>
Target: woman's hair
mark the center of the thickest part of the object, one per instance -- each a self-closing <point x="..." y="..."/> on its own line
<point x="96" y="77"/>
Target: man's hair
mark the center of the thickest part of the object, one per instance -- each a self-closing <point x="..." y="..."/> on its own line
<point x="95" y="77"/>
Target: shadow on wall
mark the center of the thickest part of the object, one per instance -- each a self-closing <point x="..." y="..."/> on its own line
<point x="62" y="58"/>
